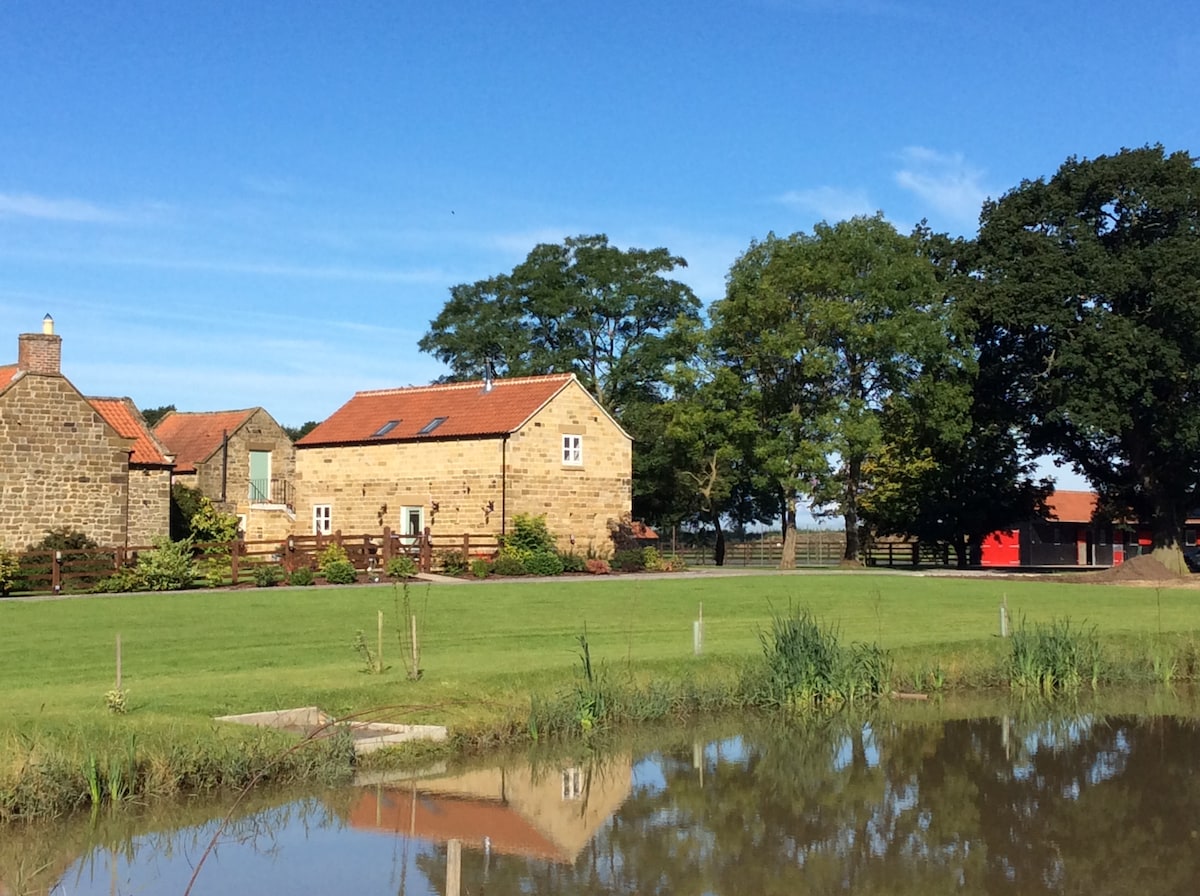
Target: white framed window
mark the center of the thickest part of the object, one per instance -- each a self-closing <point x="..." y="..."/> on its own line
<point x="572" y="450"/>
<point x="322" y="519"/>
<point x="412" y="524"/>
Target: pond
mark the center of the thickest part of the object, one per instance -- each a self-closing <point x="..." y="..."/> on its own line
<point x="1021" y="804"/>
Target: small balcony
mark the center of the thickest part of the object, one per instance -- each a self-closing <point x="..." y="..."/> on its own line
<point x="277" y="492"/>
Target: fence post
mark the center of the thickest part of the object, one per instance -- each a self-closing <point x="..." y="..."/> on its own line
<point x="426" y="551"/>
<point x="467" y="546"/>
<point x="387" y="545"/>
<point x="235" y="551"/>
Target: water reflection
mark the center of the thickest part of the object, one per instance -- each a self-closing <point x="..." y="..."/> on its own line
<point x="1087" y="804"/>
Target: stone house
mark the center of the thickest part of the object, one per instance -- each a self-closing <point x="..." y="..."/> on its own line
<point x="465" y="458"/>
<point x="66" y="461"/>
<point x="242" y="460"/>
<point x="150" y="465"/>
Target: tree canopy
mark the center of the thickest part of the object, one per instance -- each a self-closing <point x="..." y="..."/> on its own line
<point x="1089" y="298"/>
<point x="827" y="329"/>
<point x="605" y="313"/>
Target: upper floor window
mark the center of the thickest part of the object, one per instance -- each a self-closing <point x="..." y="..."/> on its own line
<point x="572" y="450"/>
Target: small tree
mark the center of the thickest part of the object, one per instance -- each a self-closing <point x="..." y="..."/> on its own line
<point x="211" y="525"/>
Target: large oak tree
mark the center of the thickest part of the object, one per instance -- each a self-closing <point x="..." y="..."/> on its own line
<point x="1088" y="313"/>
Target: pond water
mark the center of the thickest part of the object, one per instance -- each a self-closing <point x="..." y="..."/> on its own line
<point x="1083" y="804"/>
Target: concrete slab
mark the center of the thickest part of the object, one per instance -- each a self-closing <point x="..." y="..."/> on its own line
<point x="312" y="721"/>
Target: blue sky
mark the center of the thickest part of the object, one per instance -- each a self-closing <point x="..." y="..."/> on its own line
<point x="230" y="204"/>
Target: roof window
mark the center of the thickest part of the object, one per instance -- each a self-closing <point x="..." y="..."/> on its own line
<point x="431" y="426"/>
<point x="385" y="429"/>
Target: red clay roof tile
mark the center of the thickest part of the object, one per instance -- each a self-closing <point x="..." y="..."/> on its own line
<point x="469" y="409"/>
<point x="194" y="437"/>
<point x="7" y="372"/>
<point x="123" y="416"/>
<point x="1071" y="507"/>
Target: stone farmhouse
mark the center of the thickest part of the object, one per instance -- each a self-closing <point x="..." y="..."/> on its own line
<point x="66" y="461"/>
<point x="465" y="458"/>
<point x="242" y="460"/>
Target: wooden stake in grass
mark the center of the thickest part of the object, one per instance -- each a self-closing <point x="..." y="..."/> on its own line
<point x="1004" y="617"/>
<point x="698" y="633"/>
<point x="415" y="672"/>
<point x="379" y="645"/>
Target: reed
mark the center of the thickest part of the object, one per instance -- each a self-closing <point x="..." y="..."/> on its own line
<point x="806" y="666"/>
<point x="1053" y="657"/>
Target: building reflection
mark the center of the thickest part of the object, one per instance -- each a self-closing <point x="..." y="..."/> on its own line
<point x="548" y="813"/>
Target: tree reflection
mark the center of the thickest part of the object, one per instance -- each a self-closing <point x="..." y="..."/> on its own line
<point x="1022" y="806"/>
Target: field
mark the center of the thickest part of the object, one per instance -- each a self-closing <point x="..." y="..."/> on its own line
<point x="488" y="648"/>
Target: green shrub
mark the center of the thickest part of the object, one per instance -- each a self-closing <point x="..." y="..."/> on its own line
<point x="339" y="572"/>
<point x="509" y="564"/>
<point x="10" y="568"/>
<point x="266" y="575"/>
<point x="529" y="533"/>
<point x="403" y="567"/>
<point x="301" y="577"/>
<point x="481" y="569"/>
<point x="652" y="559"/>
<point x="331" y="553"/>
<point x="629" y="560"/>
<point x="543" y="563"/>
<point x="454" y="563"/>
<point x="169" y="566"/>
<point x="120" y="582"/>
<point x="572" y="562"/>
<point x="209" y="525"/>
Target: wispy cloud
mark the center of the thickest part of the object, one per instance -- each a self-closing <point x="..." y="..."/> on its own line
<point x="829" y="203"/>
<point x="946" y="182"/>
<point x="45" y="208"/>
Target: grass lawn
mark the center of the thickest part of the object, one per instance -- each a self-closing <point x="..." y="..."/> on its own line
<point x="487" y="646"/>
<point x="487" y="649"/>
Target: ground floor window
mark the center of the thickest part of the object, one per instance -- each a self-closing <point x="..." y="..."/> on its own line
<point x="322" y="519"/>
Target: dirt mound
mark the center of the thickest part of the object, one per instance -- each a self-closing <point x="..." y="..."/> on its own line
<point x="1143" y="568"/>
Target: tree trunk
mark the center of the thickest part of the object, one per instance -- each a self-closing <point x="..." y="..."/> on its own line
<point x="960" y="551"/>
<point x="719" y="547"/>
<point x="850" y="513"/>
<point x="788" y="559"/>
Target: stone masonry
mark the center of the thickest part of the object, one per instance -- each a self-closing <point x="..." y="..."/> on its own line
<point x="61" y="465"/>
<point x="464" y="485"/>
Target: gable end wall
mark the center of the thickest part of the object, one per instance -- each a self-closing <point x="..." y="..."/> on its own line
<point x="61" y="465"/>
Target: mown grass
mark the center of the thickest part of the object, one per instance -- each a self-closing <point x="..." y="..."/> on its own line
<point x="489" y="651"/>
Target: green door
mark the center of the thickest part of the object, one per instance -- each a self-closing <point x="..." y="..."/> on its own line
<point x="260" y="477"/>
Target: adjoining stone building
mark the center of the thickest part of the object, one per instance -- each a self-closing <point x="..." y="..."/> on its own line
<point x="64" y="464"/>
<point x="243" y="461"/>
<point x="465" y="458"/>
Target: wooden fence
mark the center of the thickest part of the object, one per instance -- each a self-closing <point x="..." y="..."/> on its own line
<point x="80" y="569"/>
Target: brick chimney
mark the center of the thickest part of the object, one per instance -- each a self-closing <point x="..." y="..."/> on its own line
<point x="40" y="352"/>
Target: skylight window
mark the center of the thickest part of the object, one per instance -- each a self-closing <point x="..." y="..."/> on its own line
<point x="431" y="426"/>
<point x="385" y="429"/>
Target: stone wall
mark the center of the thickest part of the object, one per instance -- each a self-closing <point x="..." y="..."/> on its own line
<point x="577" y="500"/>
<point x="61" y="465"/>
<point x="462" y="485"/>
<point x="149" y="505"/>
<point x="259" y="433"/>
